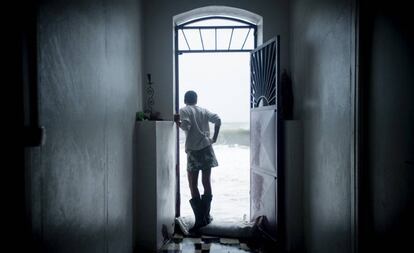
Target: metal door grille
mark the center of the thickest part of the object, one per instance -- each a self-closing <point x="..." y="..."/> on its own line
<point x="264" y="74"/>
<point x="192" y="36"/>
<point x="266" y="179"/>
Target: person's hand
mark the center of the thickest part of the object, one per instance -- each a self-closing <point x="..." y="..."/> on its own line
<point x="177" y="118"/>
<point x="212" y="140"/>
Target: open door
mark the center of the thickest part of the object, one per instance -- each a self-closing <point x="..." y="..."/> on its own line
<point x="265" y="128"/>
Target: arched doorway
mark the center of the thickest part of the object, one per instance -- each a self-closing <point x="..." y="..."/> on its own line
<point x="208" y="34"/>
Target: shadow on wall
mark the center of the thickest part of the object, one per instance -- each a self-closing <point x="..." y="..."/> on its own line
<point x="286" y="96"/>
<point x="134" y="188"/>
<point x="308" y="100"/>
<point x="386" y="60"/>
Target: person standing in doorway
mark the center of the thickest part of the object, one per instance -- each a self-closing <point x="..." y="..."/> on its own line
<point x="194" y="120"/>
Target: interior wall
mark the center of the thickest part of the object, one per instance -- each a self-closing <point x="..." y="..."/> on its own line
<point x="158" y="39"/>
<point x="79" y="186"/>
<point x="387" y="170"/>
<point x="321" y="61"/>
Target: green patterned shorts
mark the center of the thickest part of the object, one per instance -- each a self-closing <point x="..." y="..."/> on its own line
<point x="201" y="159"/>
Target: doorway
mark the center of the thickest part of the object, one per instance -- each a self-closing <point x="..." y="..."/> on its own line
<point x="212" y="58"/>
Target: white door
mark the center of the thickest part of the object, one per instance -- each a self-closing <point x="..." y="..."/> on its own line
<point x="265" y="138"/>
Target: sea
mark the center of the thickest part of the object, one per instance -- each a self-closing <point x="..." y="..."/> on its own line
<point x="230" y="180"/>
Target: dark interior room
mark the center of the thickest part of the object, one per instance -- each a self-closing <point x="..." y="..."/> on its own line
<point x="92" y="157"/>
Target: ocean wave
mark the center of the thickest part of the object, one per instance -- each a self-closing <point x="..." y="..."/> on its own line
<point x="231" y="134"/>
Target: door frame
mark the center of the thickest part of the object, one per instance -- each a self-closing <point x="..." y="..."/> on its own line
<point x="177" y="53"/>
<point x="356" y="122"/>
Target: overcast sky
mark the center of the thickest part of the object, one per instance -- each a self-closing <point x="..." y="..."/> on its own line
<point x="221" y="80"/>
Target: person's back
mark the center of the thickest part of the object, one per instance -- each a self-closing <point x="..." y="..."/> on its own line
<point x="195" y="122"/>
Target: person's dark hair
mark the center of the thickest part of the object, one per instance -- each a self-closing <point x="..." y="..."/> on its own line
<point x="190" y="97"/>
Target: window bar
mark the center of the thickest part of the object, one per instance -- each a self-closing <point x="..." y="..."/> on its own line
<point x="212" y="27"/>
<point x="267" y="63"/>
<point x="231" y="37"/>
<point x="272" y="80"/>
<point x="269" y="73"/>
<point x="246" y="38"/>
<point x="213" y="51"/>
<point x="185" y="37"/>
<point x="255" y="74"/>
<point x="259" y="59"/>
<point x="271" y="68"/>
<point x="201" y="38"/>
<point x="215" y="37"/>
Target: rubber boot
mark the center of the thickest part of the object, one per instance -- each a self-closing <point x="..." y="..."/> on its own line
<point x="197" y="207"/>
<point x="206" y="204"/>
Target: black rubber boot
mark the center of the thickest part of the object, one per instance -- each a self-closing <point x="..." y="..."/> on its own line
<point x="197" y="207"/>
<point x="206" y="203"/>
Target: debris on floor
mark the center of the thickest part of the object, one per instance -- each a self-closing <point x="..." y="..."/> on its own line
<point x="205" y="244"/>
<point x="229" y="237"/>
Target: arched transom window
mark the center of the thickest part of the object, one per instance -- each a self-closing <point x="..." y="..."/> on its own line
<point x="215" y="34"/>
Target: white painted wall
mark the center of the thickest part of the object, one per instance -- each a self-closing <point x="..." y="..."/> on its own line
<point x="322" y="73"/>
<point x="155" y="184"/>
<point x="158" y="39"/>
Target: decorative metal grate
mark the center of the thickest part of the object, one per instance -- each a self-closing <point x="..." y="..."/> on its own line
<point x="264" y="65"/>
<point x="215" y="34"/>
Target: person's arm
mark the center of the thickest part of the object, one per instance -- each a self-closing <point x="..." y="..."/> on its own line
<point x="177" y="119"/>
<point x="215" y="119"/>
<point x="183" y="123"/>
<point x="216" y="132"/>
